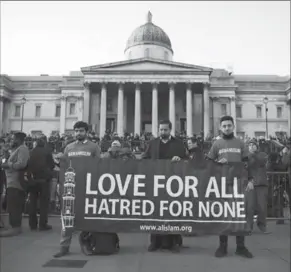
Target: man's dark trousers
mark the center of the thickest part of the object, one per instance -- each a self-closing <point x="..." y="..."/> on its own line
<point x="249" y="206"/>
<point x="15" y="206"/>
<point x="41" y="191"/>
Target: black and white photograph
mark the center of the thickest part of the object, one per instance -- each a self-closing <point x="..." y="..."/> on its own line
<point x="145" y="136"/>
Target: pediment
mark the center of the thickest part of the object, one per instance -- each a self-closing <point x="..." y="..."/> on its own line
<point x="146" y="65"/>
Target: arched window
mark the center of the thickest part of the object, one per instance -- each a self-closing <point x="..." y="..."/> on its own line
<point x="129" y="55"/>
<point x="147" y="53"/>
<point x="166" y="55"/>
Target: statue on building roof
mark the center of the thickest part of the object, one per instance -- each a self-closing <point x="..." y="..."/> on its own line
<point x="149" y="17"/>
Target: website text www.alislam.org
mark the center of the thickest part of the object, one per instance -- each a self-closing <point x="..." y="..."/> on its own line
<point x="166" y="228"/>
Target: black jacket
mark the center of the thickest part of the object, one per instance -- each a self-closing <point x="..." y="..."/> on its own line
<point x="41" y="163"/>
<point x="176" y="148"/>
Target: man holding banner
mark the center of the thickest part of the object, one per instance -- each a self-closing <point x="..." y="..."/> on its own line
<point x="225" y="151"/>
<point x="166" y="147"/>
<point x="82" y="147"/>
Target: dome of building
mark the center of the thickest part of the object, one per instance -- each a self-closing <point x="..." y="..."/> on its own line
<point x="150" y="37"/>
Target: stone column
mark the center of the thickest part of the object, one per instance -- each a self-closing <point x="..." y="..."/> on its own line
<point x="86" y="114"/>
<point x="189" y="110"/>
<point x="125" y="114"/>
<point x="7" y="115"/>
<point x="80" y="107"/>
<point x="206" y="109"/>
<point x="98" y="113"/>
<point x="172" y="107"/>
<point x="103" y="108"/>
<point x="1" y="114"/>
<point x="120" y="110"/>
<point x="233" y="112"/>
<point x="289" y="117"/>
<point x="155" y="110"/>
<point x="137" y="110"/>
<point x="63" y="114"/>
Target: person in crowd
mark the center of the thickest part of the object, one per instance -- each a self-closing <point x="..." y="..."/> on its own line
<point x="76" y="149"/>
<point x="195" y="152"/>
<point x="40" y="166"/>
<point x="54" y="185"/>
<point x="257" y="166"/>
<point x="227" y="150"/>
<point x="276" y="186"/>
<point x="165" y="147"/>
<point x="286" y="160"/>
<point x="3" y="156"/>
<point x="15" y="168"/>
<point x="114" y="150"/>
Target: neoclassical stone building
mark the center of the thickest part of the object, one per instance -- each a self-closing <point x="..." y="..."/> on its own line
<point x="134" y="94"/>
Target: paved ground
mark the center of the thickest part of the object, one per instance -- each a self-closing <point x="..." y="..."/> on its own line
<point x="30" y="251"/>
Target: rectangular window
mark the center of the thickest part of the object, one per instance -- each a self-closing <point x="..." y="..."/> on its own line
<point x="109" y="104"/>
<point x="17" y="110"/>
<point x="238" y="111"/>
<point x="58" y="111"/>
<point x="259" y="111"/>
<point x="279" y="111"/>
<point x="72" y="108"/>
<point x="223" y="109"/>
<point x="183" y="124"/>
<point x="37" y="111"/>
<point x="184" y="104"/>
<point x="166" y="55"/>
<point x="110" y="124"/>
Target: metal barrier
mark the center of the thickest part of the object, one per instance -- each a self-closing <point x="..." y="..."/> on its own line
<point x="279" y="195"/>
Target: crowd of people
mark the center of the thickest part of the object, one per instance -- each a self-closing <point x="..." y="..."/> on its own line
<point x="30" y="168"/>
<point x="138" y="143"/>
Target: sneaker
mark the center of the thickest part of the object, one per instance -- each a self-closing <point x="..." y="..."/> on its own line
<point x="244" y="252"/>
<point x="221" y="251"/>
<point x="64" y="251"/>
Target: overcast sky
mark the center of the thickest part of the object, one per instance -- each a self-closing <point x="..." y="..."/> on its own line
<point x="57" y="37"/>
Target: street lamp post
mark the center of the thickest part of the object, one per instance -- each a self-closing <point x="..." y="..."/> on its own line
<point x="23" y="101"/>
<point x="266" y="100"/>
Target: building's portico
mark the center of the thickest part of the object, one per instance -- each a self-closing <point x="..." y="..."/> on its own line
<point x="140" y="86"/>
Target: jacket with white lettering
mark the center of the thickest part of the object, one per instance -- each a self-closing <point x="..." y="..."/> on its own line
<point x="82" y="149"/>
<point x="235" y="152"/>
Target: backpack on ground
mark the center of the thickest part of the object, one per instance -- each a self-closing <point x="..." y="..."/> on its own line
<point x="99" y="243"/>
